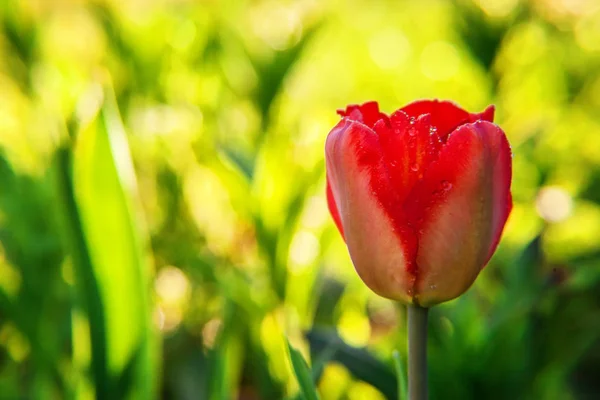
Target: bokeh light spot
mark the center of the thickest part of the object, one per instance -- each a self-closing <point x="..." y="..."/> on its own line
<point x="554" y="204"/>
<point x="172" y="286"/>
<point x="354" y="328"/>
<point x="334" y="380"/>
<point x="278" y="26"/>
<point x="363" y="391"/>
<point x="587" y="32"/>
<point x="210" y="331"/>
<point x="304" y="249"/>
<point x="389" y="49"/>
<point x="439" y="61"/>
<point x="497" y="8"/>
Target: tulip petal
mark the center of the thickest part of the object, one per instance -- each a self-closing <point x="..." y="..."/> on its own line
<point x="367" y="113"/>
<point x="381" y="243"/>
<point x="335" y="214"/>
<point x="409" y="146"/>
<point x="445" y="115"/>
<point x="459" y="209"/>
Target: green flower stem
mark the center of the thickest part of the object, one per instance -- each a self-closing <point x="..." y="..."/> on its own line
<point x="417" y="352"/>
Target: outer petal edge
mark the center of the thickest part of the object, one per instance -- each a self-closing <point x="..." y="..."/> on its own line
<point x="356" y="172"/>
<point x="460" y="208"/>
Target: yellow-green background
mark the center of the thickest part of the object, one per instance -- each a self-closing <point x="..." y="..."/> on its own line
<point x="163" y="224"/>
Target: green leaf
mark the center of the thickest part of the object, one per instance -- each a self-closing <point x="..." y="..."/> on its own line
<point x="226" y="360"/>
<point x="108" y="245"/>
<point x="303" y="374"/>
<point x="400" y="375"/>
<point x="359" y="362"/>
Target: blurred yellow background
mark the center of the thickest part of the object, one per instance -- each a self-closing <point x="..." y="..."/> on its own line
<point x="163" y="223"/>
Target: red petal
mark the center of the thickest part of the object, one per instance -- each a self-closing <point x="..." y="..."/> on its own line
<point x="335" y="214"/>
<point x="381" y="244"/>
<point x="460" y="208"/>
<point x="367" y="113"/>
<point x="445" y="115"/>
<point x="409" y="146"/>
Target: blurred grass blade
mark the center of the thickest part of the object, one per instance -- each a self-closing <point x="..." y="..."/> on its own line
<point x="226" y="357"/>
<point x="112" y="269"/>
<point x="320" y="362"/>
<point x="303" y="374"/>
<point x="400" y="375"/>
<point x="89" y="335"/>
<point x="359" y="362"/>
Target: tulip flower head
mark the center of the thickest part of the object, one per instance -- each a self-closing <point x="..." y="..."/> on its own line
<point x="420" y="197"/>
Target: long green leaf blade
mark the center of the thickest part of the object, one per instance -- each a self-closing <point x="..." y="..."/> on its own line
<point x="303" y="374"/>
<point x="400" y="375"/>
<point x="104" y="192"/>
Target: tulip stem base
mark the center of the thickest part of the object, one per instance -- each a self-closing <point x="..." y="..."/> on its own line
<point x="417" y="352"/>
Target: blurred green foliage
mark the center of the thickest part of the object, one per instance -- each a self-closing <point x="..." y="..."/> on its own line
<point x="163" y="227"/>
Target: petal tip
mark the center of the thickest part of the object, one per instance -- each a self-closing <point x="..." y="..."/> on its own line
<point x="488" y="114"/>
<point x="368" y="113"/>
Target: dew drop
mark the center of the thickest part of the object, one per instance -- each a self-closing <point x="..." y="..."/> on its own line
<point x="414" y="167"/>
<point x="446" y="185"/>
<point x="412" y="132"/>
<point x="412" y="120"/>
<point x="432" y="287"/>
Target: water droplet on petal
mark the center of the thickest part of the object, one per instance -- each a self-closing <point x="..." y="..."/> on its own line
<point x="432" y="287"/>
<point x="446" y="185"/>
<point x="412" y="132"/>
<point x="414" y="167"/>
<point x="412" y="120"/>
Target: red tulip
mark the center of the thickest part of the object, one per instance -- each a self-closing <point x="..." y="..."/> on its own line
<point x="420" y="197"/>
